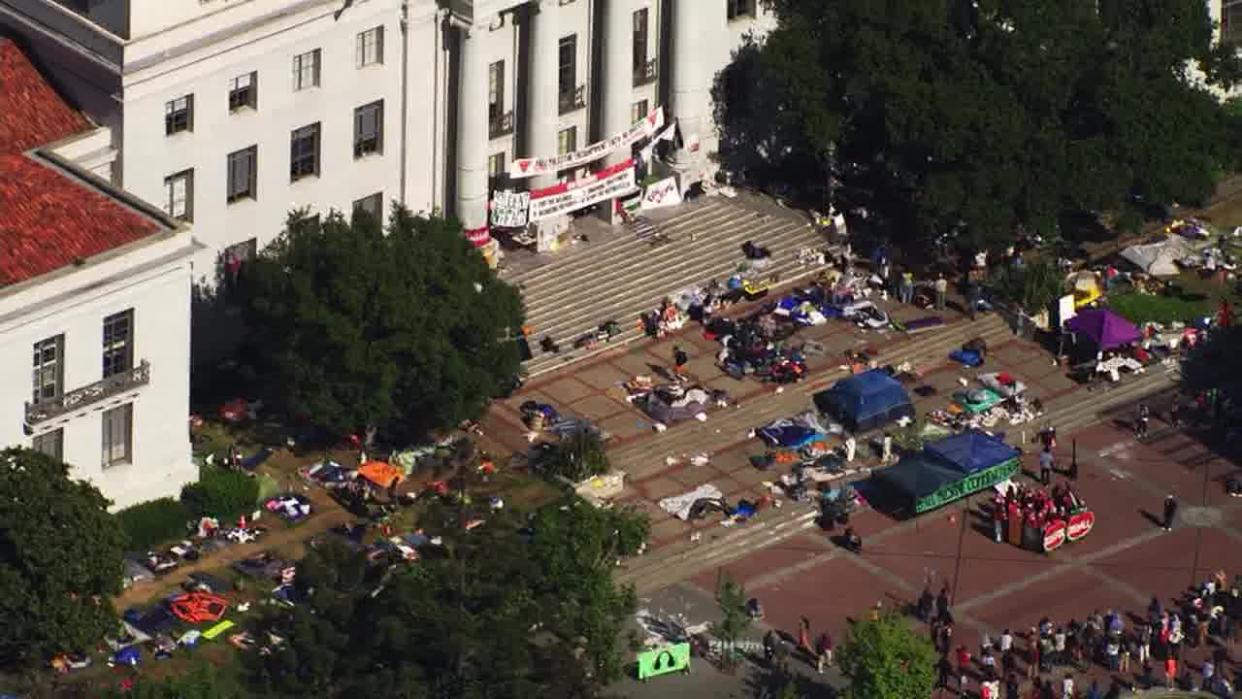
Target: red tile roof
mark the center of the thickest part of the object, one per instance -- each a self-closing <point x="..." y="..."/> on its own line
<point x="33" y="114"/>
<point x="48" y="220"/>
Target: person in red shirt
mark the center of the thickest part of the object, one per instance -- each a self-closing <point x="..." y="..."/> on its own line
<point x="963" y="662"/>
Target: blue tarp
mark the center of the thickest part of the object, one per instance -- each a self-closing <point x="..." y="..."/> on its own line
<point x="971" y="451"/>
<point x="865" y="401"/>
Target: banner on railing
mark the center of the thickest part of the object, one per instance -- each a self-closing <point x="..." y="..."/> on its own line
<point x="529" y="167"/>
<point x="662" y="193"/>
<point x="609" y="183"/>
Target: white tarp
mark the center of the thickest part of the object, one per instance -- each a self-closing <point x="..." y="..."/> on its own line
<point x="529" y="167"/>
<point x="610" y="183"/>
<point x="679" y="505"/>
<point x="510" y="209"/>
<point x="1158" y="259"/>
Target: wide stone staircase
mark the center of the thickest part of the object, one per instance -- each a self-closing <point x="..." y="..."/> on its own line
<point x="718" y="546"/>
<point x="627" y="276"/>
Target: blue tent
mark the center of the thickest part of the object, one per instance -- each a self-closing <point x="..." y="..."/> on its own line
<point x="865" y="401"/>
<point x="971" y="451"/>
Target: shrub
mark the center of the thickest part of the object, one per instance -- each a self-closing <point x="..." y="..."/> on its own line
<point x="222" y="494"/>
<point x="576" y="457"/>
<point x="153" y="522"/>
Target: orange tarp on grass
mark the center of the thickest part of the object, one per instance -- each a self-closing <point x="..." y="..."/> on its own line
<point x="381" y="473"/>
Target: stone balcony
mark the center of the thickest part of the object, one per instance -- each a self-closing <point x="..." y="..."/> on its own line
<point x="88" y="395"/>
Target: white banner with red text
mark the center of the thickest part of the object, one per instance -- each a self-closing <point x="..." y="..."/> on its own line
<point x="609" y="183"/>
<point x="529" y="167"/>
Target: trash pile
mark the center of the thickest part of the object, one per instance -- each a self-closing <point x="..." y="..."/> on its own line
<point x="673" y="402"/>
<point x="998" y="398"/>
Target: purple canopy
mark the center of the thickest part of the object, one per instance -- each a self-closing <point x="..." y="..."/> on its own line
<point x="1105" y="328"/>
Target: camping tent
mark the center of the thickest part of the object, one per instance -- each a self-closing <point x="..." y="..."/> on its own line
<point x="1103" y="327"/>
<point x="1159" y="259"/>
<point x="971" y="451"/>
<point x="865" y="401"/>
<point x="947" y="470"/>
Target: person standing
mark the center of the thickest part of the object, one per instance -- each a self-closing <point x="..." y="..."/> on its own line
<point x="886" y="454"/>
<point x="823" y="652"/>
<point x="905" y="289"/>
<point x="1067" y="687"/>
<point x="974" y="293"/>
<point x="941" y="287"/>
<point x="804" y="635"/>
<point x="1208" y="670"/>
<point x="1045" y="466"/>
<point x="998" y="519"/>
<point x="1170" y="512"/>
<point x="1144" y="416"/>
<point x="679" y="361"/>
<point x="963" y="664"/>
<point x="851" y="446"/>
<point x="1175" y="413"/>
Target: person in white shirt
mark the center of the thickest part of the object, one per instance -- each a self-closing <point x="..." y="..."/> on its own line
<point x="1006" y="641"/>
<point x="1067" y="687"/>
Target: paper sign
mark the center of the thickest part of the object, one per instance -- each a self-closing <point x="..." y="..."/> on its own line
<point x="510" y="209"/>
<point x="662" y="661"/>
<point x="529" y="167"/>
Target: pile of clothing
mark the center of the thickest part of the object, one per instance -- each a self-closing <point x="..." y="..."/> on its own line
<point x="291" y="507"/>
<point x="755" y="347"/>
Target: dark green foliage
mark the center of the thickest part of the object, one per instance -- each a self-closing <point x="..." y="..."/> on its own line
<point x="153" y="522"/>
<point x="1216" y="363"/>
<point x="970" y="121"/>
<point x="60" y="559"/>
<point x="499" y="615"/>
<point x="1033" y="287"/>
<point x="220" y="493"/>
<point x="406" y="331"/>
<point x="885" y="659"/>
<point x="731" y="599"/>
<point x="576" y="457"/>
<point x="203" y="682"/>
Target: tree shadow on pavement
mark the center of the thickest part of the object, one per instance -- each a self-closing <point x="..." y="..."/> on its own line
<point x="768" y="683"/>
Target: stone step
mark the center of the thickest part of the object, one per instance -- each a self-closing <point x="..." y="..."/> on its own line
<point x="668" y="267"/>
<point x="1084" y="411"/>
<point x="646" y="457"/>
<point x="628" y="307"/>
<point x="594" y="258"/>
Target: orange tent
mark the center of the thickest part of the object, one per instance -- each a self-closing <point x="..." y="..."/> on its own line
<point x="381" y="473"/>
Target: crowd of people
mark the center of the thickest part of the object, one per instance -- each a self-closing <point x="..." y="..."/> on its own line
<point x="1021" y="508"/>
<point x="1139" y="651"/>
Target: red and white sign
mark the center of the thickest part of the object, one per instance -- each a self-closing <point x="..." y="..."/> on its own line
<point x="479" y="237"/>
<point x="1080" y="525"/>
<point x="1054" y="534"/>
<point x="609" y="183"/>
<point x="529" y="167"/>
<point x="662" y="193"/>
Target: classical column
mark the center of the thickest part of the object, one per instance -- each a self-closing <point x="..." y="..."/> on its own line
<point x="696" y="31"/>
<point x="542" y="106"/>
<point x="472" y="136"/>
<point x="618" y="72"/>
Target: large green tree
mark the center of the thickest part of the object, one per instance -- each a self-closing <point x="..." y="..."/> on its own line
<point x="966" y="121"/>
<point x="885" y="659"/>
<point x="60" y="560"/>
<point x="515" y="608"/>
<point x="353" y="326"/>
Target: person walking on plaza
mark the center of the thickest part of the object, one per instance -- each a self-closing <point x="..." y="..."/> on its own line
<point x="943" y="671"/>
<point x="1045" y="466"/>
<point x="1170" y="512"/>
<point x="679" y="362"/>
<point x="941" y="287"/>
<point x="823" y="652"/>
<point x="1144" y="416"/>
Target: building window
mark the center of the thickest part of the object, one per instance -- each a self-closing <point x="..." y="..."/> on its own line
<point x="306" y="70"/>
<point x="118" y="343"/>
<point x="118" y="435"/>
<point x="49" y="370"/>
<point x="567" y="71"/>
<point x="179" y="115"/>
<point x="1231" y="21"/>
<point x="243" y="165"/>
<point x="496" y="164"/>
<point x="179" y="195"/>
<point x="304" y="152"/>
<point x="370" y="47"/>
<point x="740" y="8"/>
<point x="640" y="42"/>
<point x="638" y="111"/>
<point x="369" y="129"/>
<point x="244" y="92"/>
<point x="50" y="443"/>
<point x="495" y="92"/>
<point x="372" y="206"/>
<point x="567" y="140"/>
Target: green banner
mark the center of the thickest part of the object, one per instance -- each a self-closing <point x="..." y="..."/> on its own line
<point x="970" y="484"/>
<point x="662" y="661"/>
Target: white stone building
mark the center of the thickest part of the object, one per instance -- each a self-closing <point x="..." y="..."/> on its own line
<point x="94" y="303"/>
<point x="232" y="112"/>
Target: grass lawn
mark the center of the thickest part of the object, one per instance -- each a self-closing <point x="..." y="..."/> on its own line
<point x="1197" y="298"/>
